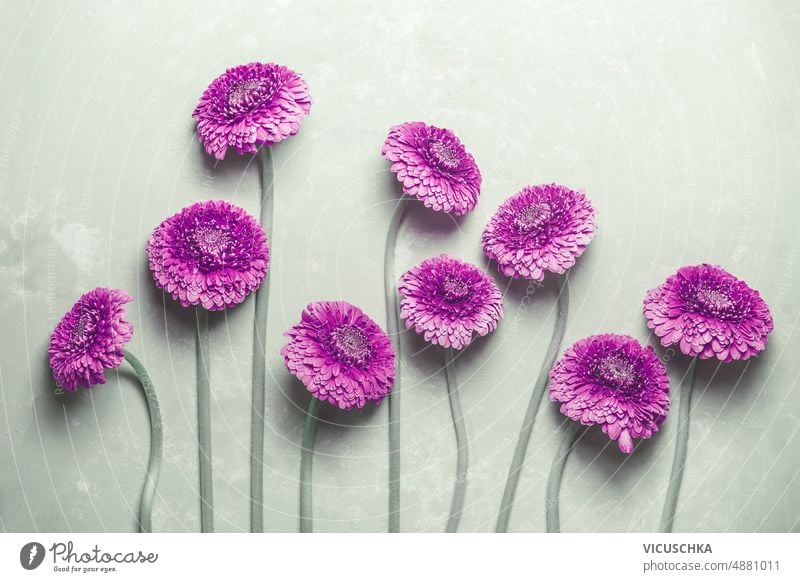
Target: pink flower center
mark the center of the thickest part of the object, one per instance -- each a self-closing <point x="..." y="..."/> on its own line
<point x="350" y="345"/>
<point x="241" y="90"/>
<point x="245" y="95"/>
<point x="532" y="217"/>
<point x="211" y="245"/>
<point x="454" y="289"/>
<point x="78" y="335"/>
<point x="618" y="373"/>
<point x="713" y="301"/>
<point x="444" y="155"/>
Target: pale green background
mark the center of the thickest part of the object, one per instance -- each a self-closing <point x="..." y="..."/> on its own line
<point x="681" y="121"/>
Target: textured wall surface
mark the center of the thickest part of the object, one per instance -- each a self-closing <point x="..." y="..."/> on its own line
<point x="681" y="121"/>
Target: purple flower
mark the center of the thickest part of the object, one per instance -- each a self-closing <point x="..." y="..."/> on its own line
<point x="211" y="253"/>
<point x="540" y="228"/>
<point x="448" y="300"/>
<point x="708" y="312"/>
<point x="89" y="339"/>
<point x="614" y="381"/>
<point x="433" y="166"/>
<point x="251" y="105"/>
<point x="340" y="354"/>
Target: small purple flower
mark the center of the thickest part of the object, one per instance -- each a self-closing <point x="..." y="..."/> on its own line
<point x="448" y="300"/>
<point x="433" y="166"/>
<point x="614" y="381"/>
<point x="89" y="339"/>
<point x="340" y="354"/>
<point x="251" y="105"/>
<point x="540" y="228"/>
<point x="709" y="313"/>
<point x="211" y="253"/>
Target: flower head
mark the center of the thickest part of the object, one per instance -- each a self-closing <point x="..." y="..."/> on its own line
<point x="540" y="228"/>
<point x="614" y="381"/>
<point x="340" y="354"/>
<point x="433" y="166"/>
<point x="89" y="339"/>
<point x="709" y="313"/>
<point x="448" y="301"/>
<point x="211" y="253"/>
<point x="251" y="105"/>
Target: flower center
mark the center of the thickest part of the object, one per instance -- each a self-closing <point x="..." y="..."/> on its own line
<point x="78" y="334"/>
<point x="211" y="241"/>
<point x="241" y="91"/>
<point x="532" y="217"/>
<point x="211" y="244"/>
<point x="350" y="345"/>
<point x="617" y="372"/>
<point x="444" y="155"/>
<point x="454" y="289"/>
<point x="713" y="300"/>
<point x="243" y="97"/>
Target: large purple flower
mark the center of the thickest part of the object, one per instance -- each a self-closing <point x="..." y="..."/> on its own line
<point x="614" y="381"/>
<point x="251" y="105"/>
<point x="433" y="166"/>
<point x="340" y="354"/>
<point x="540" y="228"/>
<point x="89" y="339"/>
<point x="448" y="301"/>
<point x="709" y="313"/>
<point x="211" y="253"/>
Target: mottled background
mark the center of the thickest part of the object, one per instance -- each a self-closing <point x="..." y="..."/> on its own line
<point x="681" y="121"/>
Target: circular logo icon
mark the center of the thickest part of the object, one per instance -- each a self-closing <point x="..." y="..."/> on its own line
<point x="31" y="555"/>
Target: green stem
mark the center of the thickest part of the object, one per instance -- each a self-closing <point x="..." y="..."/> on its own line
<point x="156" y="444"/>
<point x="258" y="398"/>
<point x="556" y="473"/>
<point x="306" y="467"/>
<point x="204" y="422"/>
<point x="518" y="460"/>
<point x="462" y="445"/>
<point x="681" y="446"/>
<point x="393" y="327"/>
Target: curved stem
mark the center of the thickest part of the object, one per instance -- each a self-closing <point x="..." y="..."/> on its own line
<point x="156" y="444"/>
<point x="393" y="327"/>
<point x="306" y="467"/>
<point x="681" y="445"/>
<point x="556" y="473"/>
<point x="518" y="460"/>
<point x="204" y="422"/>
<point x="462" y="463"/>
<point x="258" y="397"/>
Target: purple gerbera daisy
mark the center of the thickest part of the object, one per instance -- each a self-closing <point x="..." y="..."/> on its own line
<point x="448" y="300"/>
<point x="251" y="105"/>
<point x="540" y="228"/>
<point x="340" y="354"/>
<point x="614" y="381"/>
<point x="709" y="313"/>
<point x="433" y="166"/>
<point x="211" y="253"/>
<point x="89" y="339"/>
